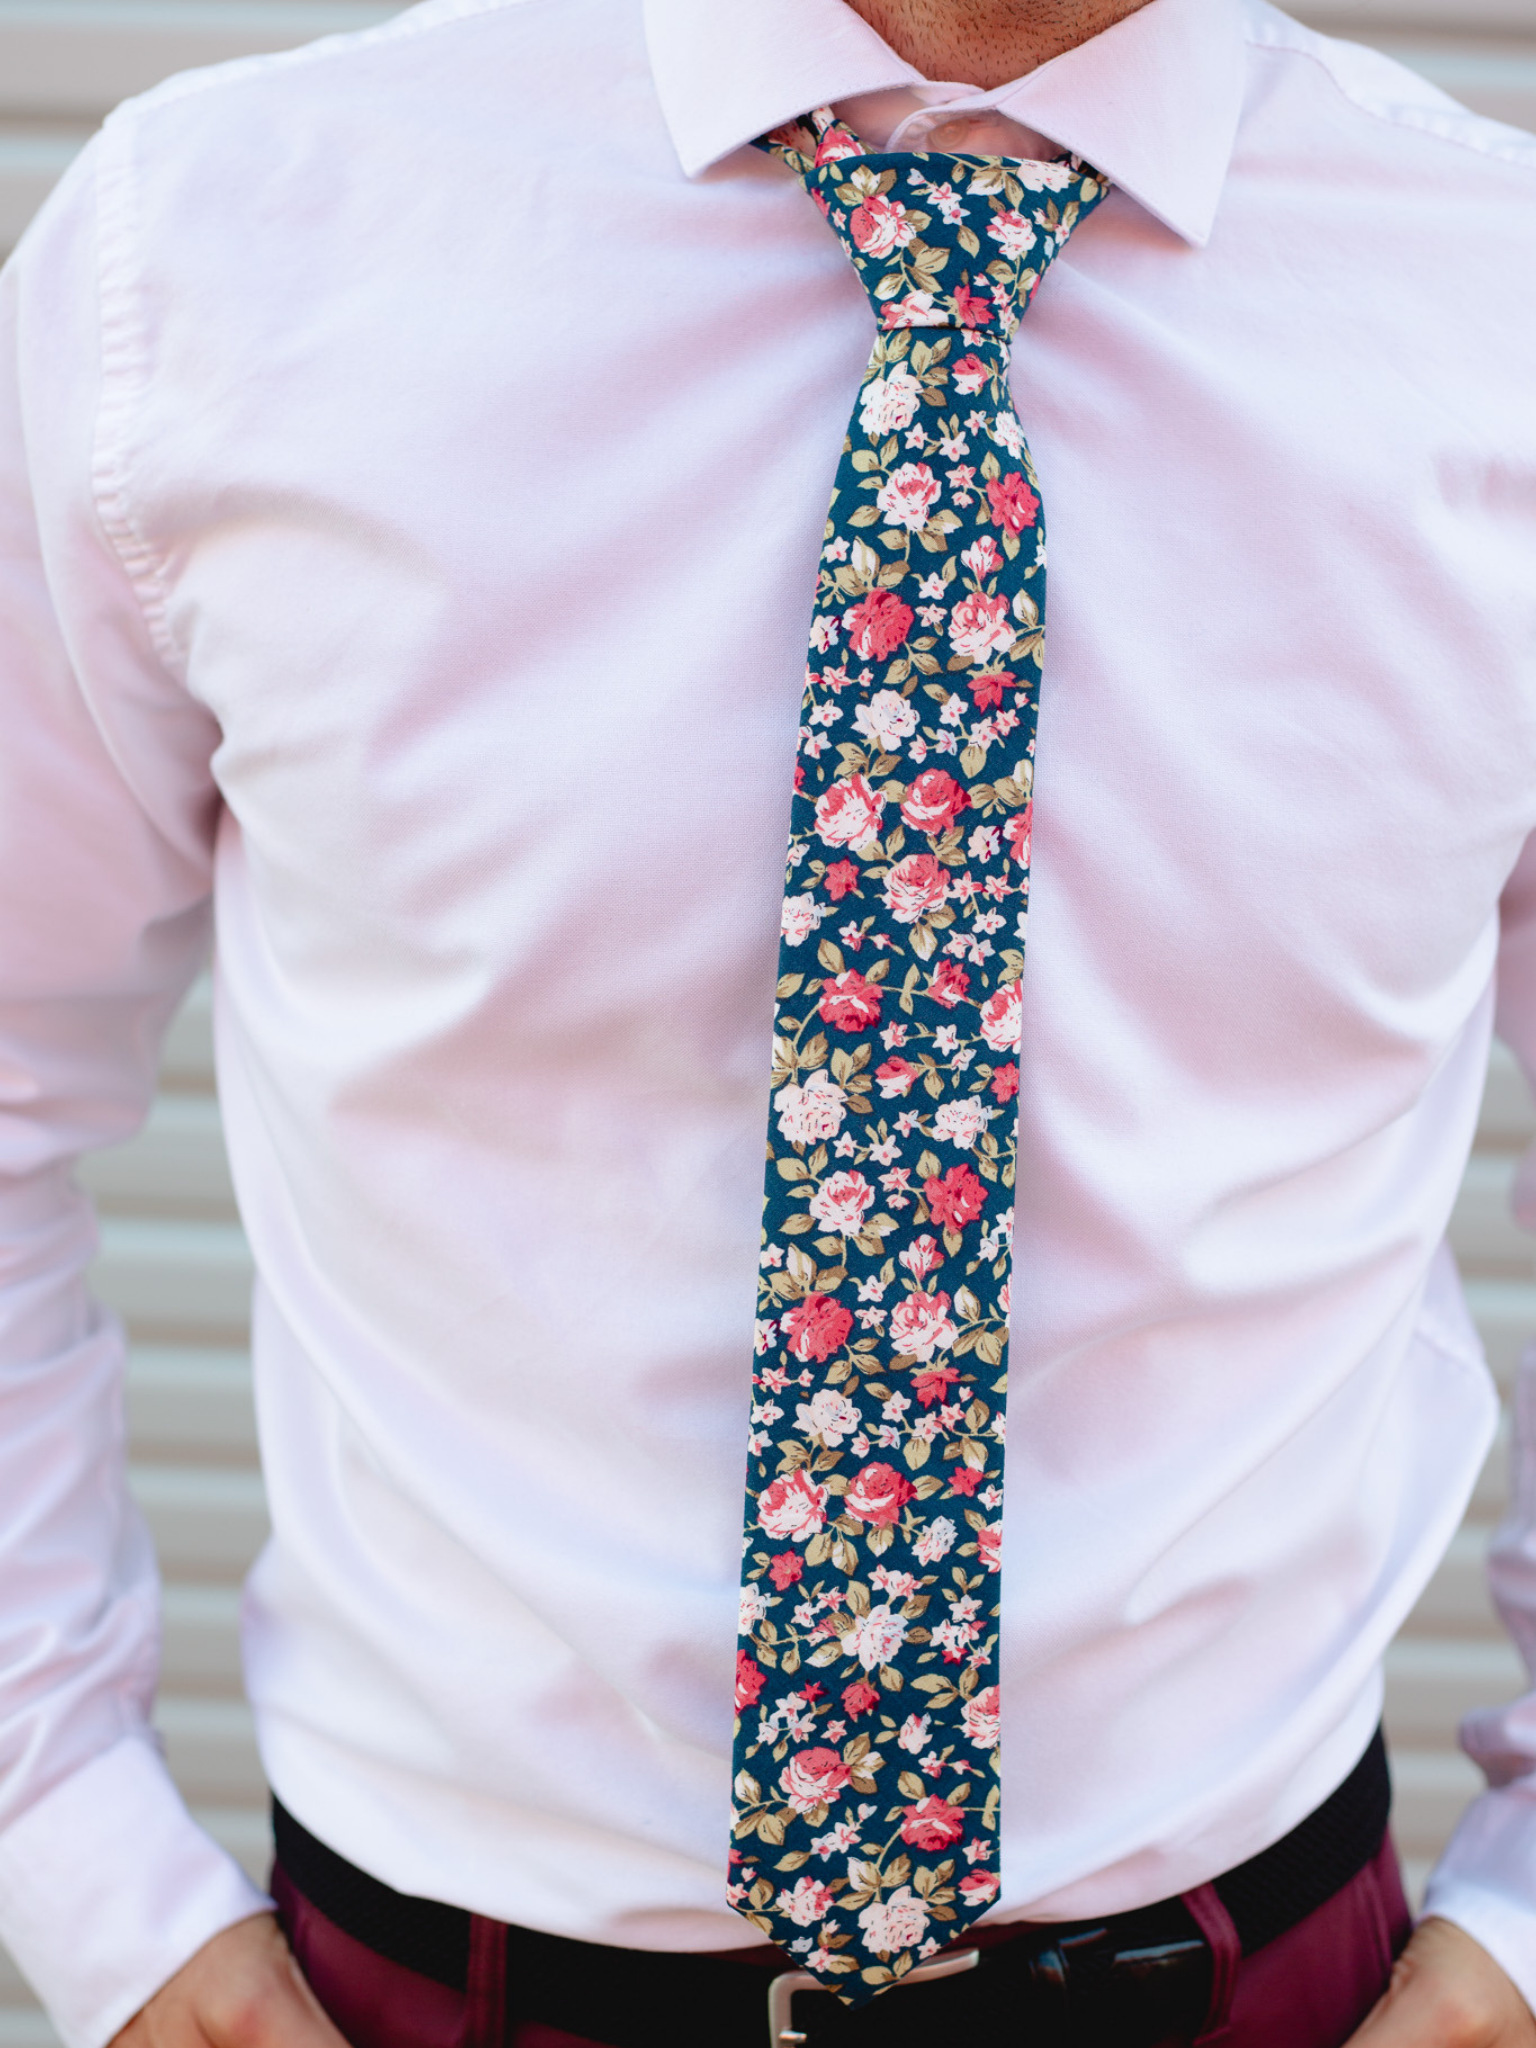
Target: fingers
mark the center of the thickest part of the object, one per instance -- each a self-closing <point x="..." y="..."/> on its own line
<point x="243" y="1989"/>
<point x="1447" y="1992"/>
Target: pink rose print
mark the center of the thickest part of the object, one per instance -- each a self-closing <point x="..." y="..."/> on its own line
<point x="933" y="802"/>
<point x="813" y="1778"/>
<point x="915" y="310"/>
<point x="1013" y="234"/>
<point x="916" y="728"/>
<point x="849" y="1002"/>
<point x="922" y="1257"/>
<point x="877" y="625"/>
<point x="957" y="1199"/>
<point x="949" y="983"/>
<point x="1002" y="1017"/>
<point x="880" y="226"/>
<point x="1014" y="504"/>
<point x="858" y="1698"/>
<point x="972" y="309"/>
<point x="979" y="627"/>
<point x="808" y="1904"/>
<point x="933" y="1384"/>
<point x="835" y="145"/>
<point x="1017" y="833"/>
<point x="920" y="1325"/>
<point x="981" y="557"/>
<point x="908" y="495"/>
<point x="749" y="1681"/>
<point x="982" y="1718"/>
<point x="842" y="1202"/>
<point x="848" y="814"/>
<point x="816" y="1328"/>
<point x="792" y="1509"/>
<point x="877" y="1494"/>
<point x="979" y="1887"/>
<point x="932" y="1824"/>
<point x="915" y="886"/>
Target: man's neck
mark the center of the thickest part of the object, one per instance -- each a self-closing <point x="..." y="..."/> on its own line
<point x="987" y="42"/>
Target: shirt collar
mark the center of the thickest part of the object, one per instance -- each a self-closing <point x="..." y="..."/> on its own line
<point x="1152" y="102"/>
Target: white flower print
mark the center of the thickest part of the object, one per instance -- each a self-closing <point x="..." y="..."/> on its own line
<point x="1041" y="176"/>
<point x="907" y="864"/>
<point x="898" y="1922"/>
<point x="1013" y="234"/>
<point x="887" y="719"/>
<point x="915" y="310"/>
<point x="755" y="1603"/>
<point x="962" y="1122"/>
<point x="1007" y="430"/>
<point x="908" y="496"/>
<point x="1002" y="1017"/>
<point x="876" y="1637"/>
<point x="935" y="1541"/>
<point x="914" y="1733"/>
<point x="920" y="1325"/>
<point x="842" y="1202"/>
<point x="890" y="402"/>
<point x="799" y="918"/>
<point x="981" y="1717"/>
<point x="828" y="1416"/>
<point x="811" y="1111"/>
<point x="808" y="1904"/>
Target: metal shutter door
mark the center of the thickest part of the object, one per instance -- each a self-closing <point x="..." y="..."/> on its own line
<point x="174" y="1262"/>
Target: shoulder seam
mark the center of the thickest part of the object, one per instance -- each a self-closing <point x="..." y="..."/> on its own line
<point x="1446" y="122"/>
<point x="411" y="22"/>
<point x="121" y="343"/>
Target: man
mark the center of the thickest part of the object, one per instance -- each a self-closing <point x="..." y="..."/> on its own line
<point x="415" y="456"/>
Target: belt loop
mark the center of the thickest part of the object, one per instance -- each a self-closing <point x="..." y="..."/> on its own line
<point x="485" y="1992"/>
<point x="1215" y="1923"/>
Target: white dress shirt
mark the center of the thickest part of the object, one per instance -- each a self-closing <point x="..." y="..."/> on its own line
<point x="413" y="458"/>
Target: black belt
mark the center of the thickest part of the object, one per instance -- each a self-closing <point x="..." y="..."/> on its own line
<point x="1139" y="1974"/>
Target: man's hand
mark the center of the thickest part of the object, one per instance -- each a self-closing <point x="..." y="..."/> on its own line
<point x="1447" y="1992"/>
<point x="241" y="1990"/>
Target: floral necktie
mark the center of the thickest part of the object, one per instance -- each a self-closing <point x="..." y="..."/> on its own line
<point x="866" y="1758"/>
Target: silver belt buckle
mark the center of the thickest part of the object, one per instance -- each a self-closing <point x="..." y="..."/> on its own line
<point x="781" y="1992"/>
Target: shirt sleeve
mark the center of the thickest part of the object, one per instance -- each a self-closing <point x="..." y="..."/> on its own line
<point x="1486" y="1880"/>
<point x="107" y="816"/>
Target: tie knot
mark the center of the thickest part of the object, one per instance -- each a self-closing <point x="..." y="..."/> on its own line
<point x="940" y="240"/>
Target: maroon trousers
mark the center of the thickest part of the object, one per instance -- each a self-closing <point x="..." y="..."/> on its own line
<point x="1310" y="1988"/>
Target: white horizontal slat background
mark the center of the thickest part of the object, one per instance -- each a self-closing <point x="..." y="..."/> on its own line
<point x="174" y="1262"/>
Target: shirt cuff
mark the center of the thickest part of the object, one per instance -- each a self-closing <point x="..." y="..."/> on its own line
<point x="107" y="1886"/>
<point x="1486" y="1881"/>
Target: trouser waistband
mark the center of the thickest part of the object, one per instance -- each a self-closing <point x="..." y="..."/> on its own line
<point x="1151" y="1961"/>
